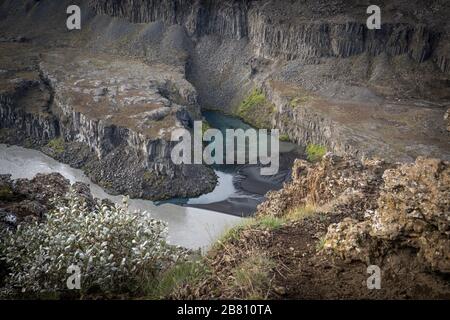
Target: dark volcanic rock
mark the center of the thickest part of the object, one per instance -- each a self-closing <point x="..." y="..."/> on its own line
<point x="111" y="117"/>
<point x="290" y="29"/>
<point x="25" y="199"/>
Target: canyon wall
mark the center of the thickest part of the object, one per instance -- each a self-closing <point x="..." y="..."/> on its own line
<point x="281" y="29"/>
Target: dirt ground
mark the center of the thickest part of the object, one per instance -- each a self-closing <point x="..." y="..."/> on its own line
<point x="302" y="270"/>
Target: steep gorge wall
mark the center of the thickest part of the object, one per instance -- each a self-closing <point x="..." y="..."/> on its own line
<point x="286" y="35"/>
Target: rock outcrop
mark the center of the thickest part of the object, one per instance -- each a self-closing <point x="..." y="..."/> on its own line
<point x="413" y="212"/>
<point x="347" y="185"/>
<point x="111" y="117"/>
<point x="278" y="28"/>
<point x="394" y="216"/>
<point x="28" y="199"/>
<point x="384" y="207"/>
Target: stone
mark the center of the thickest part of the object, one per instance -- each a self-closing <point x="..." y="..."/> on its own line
<point x="413" y="211"/>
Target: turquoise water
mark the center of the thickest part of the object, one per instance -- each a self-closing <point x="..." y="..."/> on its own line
<point x="240" y="188"/>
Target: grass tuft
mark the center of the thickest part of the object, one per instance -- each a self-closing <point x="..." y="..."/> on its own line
<point x="299" y="213"/>
<point x="172" y="280"/>
<point x="252" y="277"/>
<point x="315" y="152"/>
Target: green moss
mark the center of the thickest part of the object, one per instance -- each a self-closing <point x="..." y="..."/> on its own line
<point x="205" y="127"/>
<point x="284" y="137"/>
<point x="107" y="184"/>
<point x="148" y="176"/>
<point x="315" y="152"/>
<point x="57" y="145"/>
<point x="255" y="98"/>
<point x="152" y="178"/>
<point x="6" y="192"/>
<point x="295" y="102"/>
<point x="256" y="110"/>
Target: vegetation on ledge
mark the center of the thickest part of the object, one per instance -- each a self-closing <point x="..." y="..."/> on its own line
<point x="315" y="152"/>
<point x="256" y="110"/>
<point x="57" y="145"/>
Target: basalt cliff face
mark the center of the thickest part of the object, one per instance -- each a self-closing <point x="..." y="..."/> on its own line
<point x="111" y="118"/>
<point x="332" y="80"/>
<point x="292" y="30"/>
<point x="110" y="115"/>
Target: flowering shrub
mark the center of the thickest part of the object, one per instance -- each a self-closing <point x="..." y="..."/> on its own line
<point x="115" y="250"/>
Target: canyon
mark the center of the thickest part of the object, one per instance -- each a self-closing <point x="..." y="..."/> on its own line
<point x="106" y="99"/>
<point x="326" y="79"/>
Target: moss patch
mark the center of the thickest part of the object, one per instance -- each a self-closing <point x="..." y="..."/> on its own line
<point x="295" y="102"/>
<point x="205" y="126"/>
<point x="57" y="145"/>
<point x="256" y="110"/>
<point x="315" y="152"/>
<point x="6" y="193"/>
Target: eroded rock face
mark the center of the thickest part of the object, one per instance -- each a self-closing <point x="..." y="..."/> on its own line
<point x="335" y="183"/>
<point x="447" y="119"/>
<point x="283" y="28"/>
<point x="413" y="212"/>
<point x="25" y="199"/>
<point x="111" y="116"/>
<point x="383" y="209"/>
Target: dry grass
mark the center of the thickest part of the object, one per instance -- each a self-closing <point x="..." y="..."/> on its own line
<point x="300" y="213"/>
<point x="253" y="276"/>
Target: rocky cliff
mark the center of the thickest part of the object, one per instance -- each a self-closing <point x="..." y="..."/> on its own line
<point x="318" y="63"/>
<point x="394" y="216"/>
<point x="317" y="237"/>
<point x="113" y="118"/>
<point x="282" y="28"/>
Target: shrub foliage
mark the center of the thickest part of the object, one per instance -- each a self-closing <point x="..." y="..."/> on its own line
<point x="115" y="250"/>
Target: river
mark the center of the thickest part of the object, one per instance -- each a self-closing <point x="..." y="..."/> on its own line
<point x="241" y="187"/>
<point x="188" y="227"/>
<point x="193" y="223"/>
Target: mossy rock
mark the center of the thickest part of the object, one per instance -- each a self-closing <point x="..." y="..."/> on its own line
<point x="57" y="145"/>
<point x="315" y="152"/>
<point x="205" y="127"/>
<point x="6" y="193"/>
<point x="256" y="110"/>
<point x="295" y="102"/>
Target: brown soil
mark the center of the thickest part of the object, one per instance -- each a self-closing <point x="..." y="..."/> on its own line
<point x="309" y="274"/>
<point x="303" y="271"/>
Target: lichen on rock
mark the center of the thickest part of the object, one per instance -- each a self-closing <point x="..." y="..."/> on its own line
<point x="413" y="212"/>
